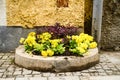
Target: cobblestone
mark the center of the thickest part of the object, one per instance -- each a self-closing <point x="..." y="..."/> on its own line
<point x="10" y="71"/>
<point x="64" y="78"/>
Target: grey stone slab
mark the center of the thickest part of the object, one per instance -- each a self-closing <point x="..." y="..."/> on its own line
<point x="10" y="36"/>
<point x="64" y="78"/>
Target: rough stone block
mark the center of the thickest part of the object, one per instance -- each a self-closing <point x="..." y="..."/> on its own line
<point x="56" y="63"/>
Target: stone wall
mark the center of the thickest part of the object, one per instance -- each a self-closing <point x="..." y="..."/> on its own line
<point x="29" y="13"/>
<point x="111" y="25"/>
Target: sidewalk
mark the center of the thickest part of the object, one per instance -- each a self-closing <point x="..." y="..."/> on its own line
<point x="108" y="68"/>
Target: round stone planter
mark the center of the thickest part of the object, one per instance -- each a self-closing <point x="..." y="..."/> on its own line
<point x="56" y="63"/>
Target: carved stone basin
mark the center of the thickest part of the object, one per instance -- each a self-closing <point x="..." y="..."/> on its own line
<point x="56" y="63"/>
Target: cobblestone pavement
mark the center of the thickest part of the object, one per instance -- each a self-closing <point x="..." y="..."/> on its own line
<point x="108" y="68"/>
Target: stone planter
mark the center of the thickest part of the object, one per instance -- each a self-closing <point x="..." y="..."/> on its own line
<point x="56" y="63"/>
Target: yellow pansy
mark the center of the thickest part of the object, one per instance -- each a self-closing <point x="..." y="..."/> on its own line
<point x="32" y="34"/>
<point x="79" y="40"/>
<point x="90" y="38"/>
<point x="74" y="37"/>
<point x="45" y="36"/>
<point x="22" y="40"/>
<point x="87" y="42"/>
<point x="44" y="53"/>
<point x="30" y="41"/>
<point x="50" y="52"/>
<point x="68" y="37"/>
<point x="93" y="45"/>
<point x="84" y="45"/>
<point x="55" y="42"/>
<point x="82" y="34"/>
<point x="81" y="50"/>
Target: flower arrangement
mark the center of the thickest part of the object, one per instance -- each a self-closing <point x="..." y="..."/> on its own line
<point x="43" y="44"/>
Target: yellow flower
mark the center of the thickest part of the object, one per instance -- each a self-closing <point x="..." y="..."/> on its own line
<point x="81" y="50"/>
<point x="87" y="42"/>
<point x="50" y="52"/>
<point x="44" y="53"/>
<point x="90" y="38"/>
<point x="22" y="40"/>
<point x="84" y="45"/>
<point x="93" y="45"/>
<point x="68" y="37"/>
<point x="30" y="41"/>
<point x="82" y="34"/>
<point x="79" y="40"/>
<point x="54" y="45"/>
<point x="32" y="34"/>
<point x="74" y="37"/>
<point x="45" y="36"/>
<point x="55" y="42"/>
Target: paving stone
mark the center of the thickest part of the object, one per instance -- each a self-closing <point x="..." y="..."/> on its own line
<point x="104" y="68"/>
<point x="68" y="74"/>
<point x="85" y="71"/>
<point x="22" y="78"/>
<point x="1" y="56"/>
<point x="2" y="70"/>
<point x="7" y="78"/>
<point x="37" y="75"/>
<point x="38" y="78"/>
<point x="7" y="63"/>
<point x="77" y="73"/>
<point x="94" y="74"/>
<point x="85" y="74"/>
<point x="100" y="70"/>
<point x="4" y="76"/>
<point x="1" y="62"/>
<point x="1" y="74"/>
<point x="60" y="74"/>
<point x="4" y="57"/>
<point x="28" y="75"/>
<point x="102" y="74"/>
<point x="35" y="72"/>
<point x="84" y="78"/>
<point x="19" y="76"/>
<point x="64" y="78"/>
<point x="17" y="73"/>
<point x="46" y="74"/>
<point x="10" y="68"/>
<point x="105" y="78"/>
<point x="109" y="72"/>
<point x="27" y="72"/>
<point x="52" y="74"/>
<point x="18" y="69"/>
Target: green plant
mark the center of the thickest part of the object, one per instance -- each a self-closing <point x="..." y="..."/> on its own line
<point x="43" y="44"/>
